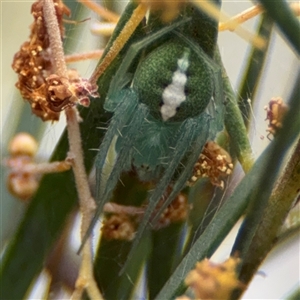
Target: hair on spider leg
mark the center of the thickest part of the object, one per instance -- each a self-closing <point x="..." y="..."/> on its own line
<point x="102" y="128"/>
<point x="137" y="150"/>
<point x="147" y="120"/>
<point x="119" y="132"/>
<point x="172" y="148"/>
<point x="182" y="164"/>
<point x="163" y="161"/>
<point x="120" y="180"/>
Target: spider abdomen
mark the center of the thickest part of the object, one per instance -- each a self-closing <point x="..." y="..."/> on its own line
<point x="174" y="82"/>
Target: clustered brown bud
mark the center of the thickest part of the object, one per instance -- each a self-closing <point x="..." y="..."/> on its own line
<point x="47" y="93"/>
<point x="214" y="162"/>
<point x="177" y="211"/>
<point x="276" y="110"/>
<point x="63" y="93"/>
<point x="118" y="227"/>
<point x="33" y="62"/>
<point x="121" y="221"/>
<point x="213" y="281"/>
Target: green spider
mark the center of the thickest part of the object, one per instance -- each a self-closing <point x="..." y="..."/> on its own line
<point x="164" y="109"/>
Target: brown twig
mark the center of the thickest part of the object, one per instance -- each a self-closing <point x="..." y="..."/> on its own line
<point x="279" y="205"/>
<point x="55" y="38"/>
<point x="214" y="12"/>
<point x="96" y="54"/>
<point x="98" y="9"/>
<point x="248" y="14"/>
<point x="87" y="205"/>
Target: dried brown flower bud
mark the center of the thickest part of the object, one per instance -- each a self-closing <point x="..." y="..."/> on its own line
<point x="214" y="162"/>
<point x="81" y="88"/>
<point x="118" y="227"/>
<point x="58" y="92"/>
<point x="275" y="114"/>
<point x="33" y="62"/>
<point x="177" y="211"/>
<point x="47" y="92"/>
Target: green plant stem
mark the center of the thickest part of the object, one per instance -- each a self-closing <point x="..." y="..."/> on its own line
<point x="166" y="249"/>
<point x="234" y="122"/>
<point x="216" y="231"/>
<point x="253" y="70"/>
<point x="206" y="200"/>
<point x="112" y="254"/>
<point x="268" y="165"/>
<point x="282" y="197"/>
<point x="260" y="197"/>
<point x="295" y="295"/>
<point x="287" y="232"/>
<point x="281" y="13"/>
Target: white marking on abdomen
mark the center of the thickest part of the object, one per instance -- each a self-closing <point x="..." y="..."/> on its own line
<point x="173" y="95"/>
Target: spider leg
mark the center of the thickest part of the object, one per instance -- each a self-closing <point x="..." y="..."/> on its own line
<point x="137" y="115"/>
<point x="186" y="137"/>
<point x="126" y="145"/>
<point x="123" y="113"/>
<point x="186" y="173"/>
<point x="216" y="106"/>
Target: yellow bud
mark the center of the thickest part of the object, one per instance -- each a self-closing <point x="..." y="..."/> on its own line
<point x="23" y="144"/>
